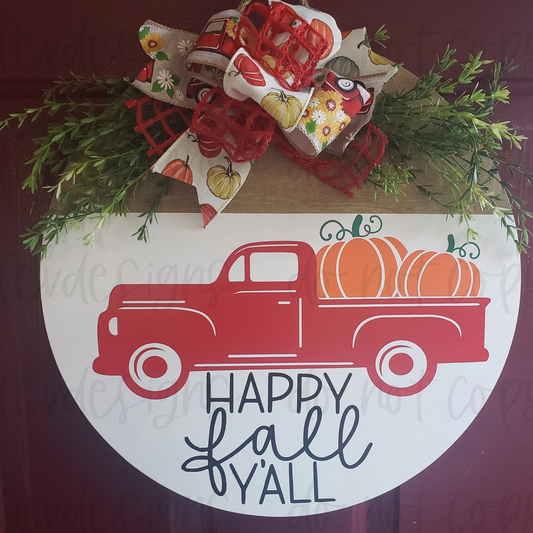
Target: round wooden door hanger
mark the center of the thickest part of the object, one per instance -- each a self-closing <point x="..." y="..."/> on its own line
<point x="282" y="364"/>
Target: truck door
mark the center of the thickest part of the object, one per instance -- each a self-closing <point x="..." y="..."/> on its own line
<point x="264" y="320"/>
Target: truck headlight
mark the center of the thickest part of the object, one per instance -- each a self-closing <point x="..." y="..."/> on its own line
<point x="113" y="326"/>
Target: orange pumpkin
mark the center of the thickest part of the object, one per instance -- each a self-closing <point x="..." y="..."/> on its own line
<point x="208" y="213"/>
<point x="247" y="39"/>
<point x="437" y="274"/>
<point x="359" y="268"/>
<point x="325" y="32"/>
<point x="285" y="109"/>
<point x="179" y="169"/>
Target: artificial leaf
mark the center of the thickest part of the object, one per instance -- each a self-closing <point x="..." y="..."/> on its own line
<point x="143" y="32"/>
<point x="161" y="56"/>
<point x="310" y="127"/>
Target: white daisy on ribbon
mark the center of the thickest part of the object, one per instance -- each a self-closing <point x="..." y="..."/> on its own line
<point x="178" y="95"/>
<point x="319" y="117"/>
<point x="314" y="102"/>
<point x="165" y="81"/>
<point x="185" y="47"/>
<point x="340" y="116"/>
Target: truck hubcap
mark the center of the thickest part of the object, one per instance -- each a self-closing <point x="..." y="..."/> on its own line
<point x="401" y="364"/>
<point x="155" y="367"/>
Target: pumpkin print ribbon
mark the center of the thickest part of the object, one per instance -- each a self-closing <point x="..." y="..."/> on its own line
<point x="217" y="178"/>
<point x="296" y="72"/>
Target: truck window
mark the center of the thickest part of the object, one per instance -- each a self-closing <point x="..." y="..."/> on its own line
<point x="273" y="266"/>
<point x="215" y="26"/>
<point x="236" y="272"/>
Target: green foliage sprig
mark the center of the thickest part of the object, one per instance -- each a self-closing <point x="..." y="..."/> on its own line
<point x="379" y="38"/>
<point x="98" y="158"/>
<point x="449" y="125"/>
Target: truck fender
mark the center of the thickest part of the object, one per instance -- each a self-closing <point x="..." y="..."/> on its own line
<point x="371" y="326"/>
<point x="199" y="313"/>
<point x="398" y="349"/>
<point x="159" y="359"/>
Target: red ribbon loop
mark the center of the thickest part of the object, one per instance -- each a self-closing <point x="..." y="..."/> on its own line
<point x="345" y="172"/>
<point x="286" y="46"/>
<point x="242" y="129"/>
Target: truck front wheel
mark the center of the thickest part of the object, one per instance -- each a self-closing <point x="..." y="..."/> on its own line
<point x="155" y="371"/>
<point x="402" y="368"/>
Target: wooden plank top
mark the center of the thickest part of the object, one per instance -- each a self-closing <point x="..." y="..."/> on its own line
<point x="278" y="185"/>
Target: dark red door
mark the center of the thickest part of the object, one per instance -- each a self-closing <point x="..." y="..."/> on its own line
<point x="57" y="474"/>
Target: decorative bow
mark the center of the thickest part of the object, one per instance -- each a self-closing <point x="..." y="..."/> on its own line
<point x="295" y="80"/>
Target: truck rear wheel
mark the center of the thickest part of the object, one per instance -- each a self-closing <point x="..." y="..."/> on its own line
<point x="402" y="368"/>
<point x="155" y="371"/>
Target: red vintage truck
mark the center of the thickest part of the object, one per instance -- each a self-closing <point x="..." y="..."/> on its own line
<point x="263" y="313"/>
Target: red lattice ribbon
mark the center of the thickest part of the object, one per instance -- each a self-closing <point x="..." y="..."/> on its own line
<point x="342" y="173"/>
<point x="154" y="117"/>
<point x="242" y="129"/>
<point x="286" y="46"/>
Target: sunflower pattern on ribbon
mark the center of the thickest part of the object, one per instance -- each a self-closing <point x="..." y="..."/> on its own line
<point x="166" y="76"/>
<point x="317" y="85"/>
<point x="356" y="61"/>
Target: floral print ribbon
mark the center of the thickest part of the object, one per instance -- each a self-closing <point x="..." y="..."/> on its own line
<point x="166" y="76"/>
<point x="325" y="115"/>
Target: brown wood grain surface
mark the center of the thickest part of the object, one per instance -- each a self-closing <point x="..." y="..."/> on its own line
<point x="278" y="185"/>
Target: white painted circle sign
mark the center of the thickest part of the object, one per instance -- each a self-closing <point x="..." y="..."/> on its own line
<point x="282" y="365"/>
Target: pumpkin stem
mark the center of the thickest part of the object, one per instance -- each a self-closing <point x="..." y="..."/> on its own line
<point x="356" y="226"/>
<point x="461" y="249"/>
<point x="229" y="170"/>
<point x="283" y="96"/>
<point x="451" y="243"/>
<point x="186" y="161"/>
<point x="367" y="228"/>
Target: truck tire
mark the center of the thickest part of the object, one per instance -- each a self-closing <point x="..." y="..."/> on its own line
<point x="155" y="371"/>
<point x="201" y="93"/>
<point x="402" y="368"/>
